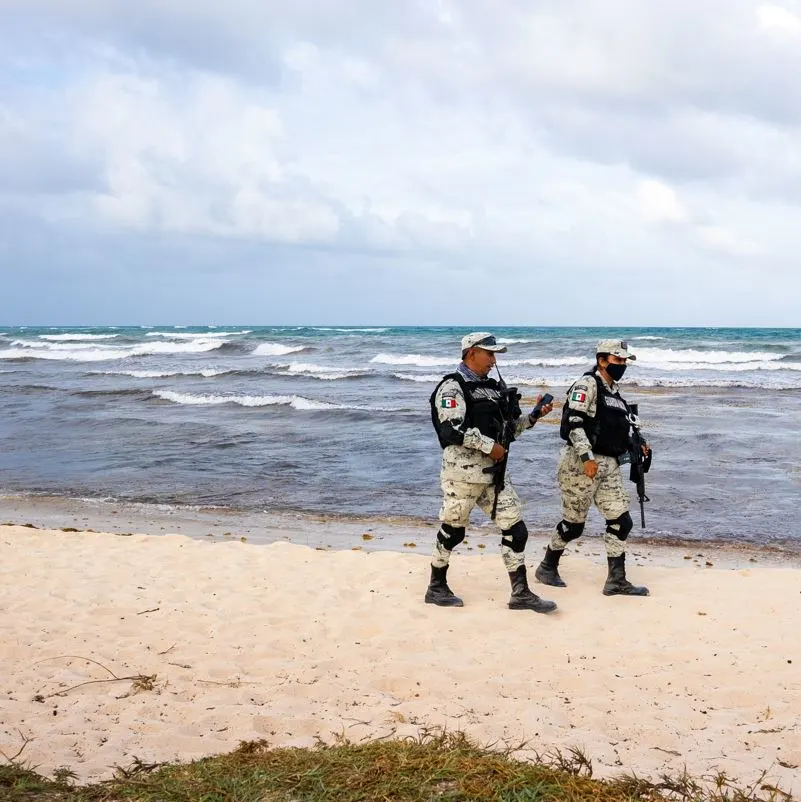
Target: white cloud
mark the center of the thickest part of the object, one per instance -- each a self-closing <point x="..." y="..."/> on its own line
<point x="573" y="136"/>
<point x="193" y="153"/>
<point x="660" y="204"/>
<point x="779" y="22"/>
<point x="727" y="241"/>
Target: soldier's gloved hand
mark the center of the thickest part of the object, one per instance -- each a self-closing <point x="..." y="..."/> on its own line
<point x="498" y="452"/>
<point x="590" y="468"/>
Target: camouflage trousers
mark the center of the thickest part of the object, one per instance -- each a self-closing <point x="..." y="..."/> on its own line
<point x="579" y="493"/>
<point x="458" y="501"/>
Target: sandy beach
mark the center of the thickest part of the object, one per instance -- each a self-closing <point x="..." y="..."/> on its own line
<point x="168" y="647"/>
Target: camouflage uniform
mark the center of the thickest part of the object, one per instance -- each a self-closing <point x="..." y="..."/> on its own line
<point x="471" y="413"/>
<point x="597" y="424"/>
<point x="462" y="478"/>
<point x="578" y="491"/>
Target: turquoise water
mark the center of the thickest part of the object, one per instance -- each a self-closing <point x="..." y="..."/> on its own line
<point x="335" y="419"/>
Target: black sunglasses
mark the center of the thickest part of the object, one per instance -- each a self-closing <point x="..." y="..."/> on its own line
<point x="486" y="341"/>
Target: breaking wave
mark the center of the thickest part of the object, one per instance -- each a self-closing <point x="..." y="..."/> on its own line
<point x="322" y="372"/>
<point x="413" y="359"/>
<point x="297" y="402"/>
<point x="166" y="374"/>
<point x="174" y="335"/>
<point x="77" y="337"/>
<point x="86" y="352"/>
<point x="277" y="349"/>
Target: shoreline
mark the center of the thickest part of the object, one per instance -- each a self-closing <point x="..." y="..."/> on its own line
<point x="292" y="643"/>
<point x="327" y="531"/>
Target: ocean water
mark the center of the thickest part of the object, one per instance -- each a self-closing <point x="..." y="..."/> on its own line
<point x="335" y="420"/>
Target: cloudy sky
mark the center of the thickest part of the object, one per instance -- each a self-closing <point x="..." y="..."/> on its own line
<point x="560" y="162"/>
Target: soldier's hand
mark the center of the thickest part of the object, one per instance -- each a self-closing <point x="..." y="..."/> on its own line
<point x="545" y="408"/>
<point x="646" y="449"/>
<point x="498" y="452"/>
<point x="590" y="468"/>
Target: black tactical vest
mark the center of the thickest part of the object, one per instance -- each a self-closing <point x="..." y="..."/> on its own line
<point x="484" y="411"/>
<point x="608" y="432"/>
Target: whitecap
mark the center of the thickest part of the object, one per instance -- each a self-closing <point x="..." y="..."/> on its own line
<point x="86" y="352"/>
<point x="161" y="374"/>
<point x="417" y="377"/>
<point x="413" y="359"/>
<point x="556" y="362"/>
<point x="313" y="371"/>
<point x="660" y="356"/>
<point x="195" y="346"/>
<point x="295" y="401"/>
<point x="765" y="383"/>
<point x="277" y="349"/>
<point x="176" y="335"/>
<point x="725" y="367"/>
<point x="331" y="328"/>
<point x="77" y="337"/>
<point x="77" y="356"/>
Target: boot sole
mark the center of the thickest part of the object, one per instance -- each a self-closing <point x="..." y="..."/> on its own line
<point x="623" y="593"/>
<point x="458" y="603"/>
<point x="550" y="584"/>
<point x="533" y="609"/>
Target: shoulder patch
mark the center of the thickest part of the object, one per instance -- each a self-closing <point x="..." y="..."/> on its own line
<point x="579" y="396"/>
<point x="448" y="403"/>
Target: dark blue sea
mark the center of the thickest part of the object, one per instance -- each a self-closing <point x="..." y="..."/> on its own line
<point x="335" y="420"/>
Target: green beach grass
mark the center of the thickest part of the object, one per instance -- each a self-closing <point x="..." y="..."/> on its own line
<point x="434" y="766"/>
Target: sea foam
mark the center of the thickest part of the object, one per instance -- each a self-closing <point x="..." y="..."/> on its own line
<point x="413" y="359"/>
<point x="277" y="349"/>
<point x="77" y="337"/>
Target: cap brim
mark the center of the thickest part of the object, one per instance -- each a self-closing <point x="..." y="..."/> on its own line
<point x="498" y="349"/>
<point x="631" y="358"/>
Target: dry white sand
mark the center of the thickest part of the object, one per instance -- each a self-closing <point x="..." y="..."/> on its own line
<point x="289" y="643"/>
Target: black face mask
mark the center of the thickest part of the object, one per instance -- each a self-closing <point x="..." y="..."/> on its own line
<point x="616" y="371"/>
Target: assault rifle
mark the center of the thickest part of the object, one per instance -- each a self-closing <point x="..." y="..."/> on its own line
<point x="640" y="463"/>
<point x="510" y="409"/>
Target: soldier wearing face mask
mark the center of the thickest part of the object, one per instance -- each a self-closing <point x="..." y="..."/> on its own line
<point x="596" y="423"/>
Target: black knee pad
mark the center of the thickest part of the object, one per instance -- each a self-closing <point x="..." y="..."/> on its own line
<point x="620" y="527"/>
<point x="568" y="531"/>
<point x="515" y="537"/>
<point x="450" y="536"/>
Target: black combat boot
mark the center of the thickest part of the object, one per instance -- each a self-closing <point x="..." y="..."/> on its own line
<point x="438" y="591"/>
<point x="522" y="598"/>
<point x="548" y="570"/>
<point x="616" y="582"/>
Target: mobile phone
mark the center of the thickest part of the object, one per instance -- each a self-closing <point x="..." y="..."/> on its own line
<point x="537" y="411"/>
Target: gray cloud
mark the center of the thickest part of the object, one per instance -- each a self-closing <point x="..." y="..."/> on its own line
<point x="409" y="140"/>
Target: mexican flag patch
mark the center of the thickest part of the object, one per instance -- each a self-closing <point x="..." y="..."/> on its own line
<point x="579" y="395"/>
<point x="448" y="403"/>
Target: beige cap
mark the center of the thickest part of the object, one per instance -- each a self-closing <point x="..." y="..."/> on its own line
<point x="616" y="348"/>
<point x="482" y="339"/>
